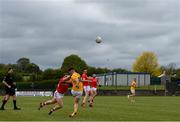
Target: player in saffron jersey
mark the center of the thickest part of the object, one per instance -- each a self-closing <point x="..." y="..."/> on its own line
<point x="61" y="88"/>
<point x="77" y="89"/>
<point x="86" y="87"/>
<point x="94" y="82"/>
<point x="132" y="89"/>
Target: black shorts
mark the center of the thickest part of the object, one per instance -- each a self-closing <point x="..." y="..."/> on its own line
<point x="10" y="91"/>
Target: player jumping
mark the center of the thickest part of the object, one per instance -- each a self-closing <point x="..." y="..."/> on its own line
<point x="61" y="89"/>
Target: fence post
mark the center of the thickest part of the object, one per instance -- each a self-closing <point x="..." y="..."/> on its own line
<point x="104" y="79"/>
<point x="127" y="79"/>
<point x="116" y="79"/>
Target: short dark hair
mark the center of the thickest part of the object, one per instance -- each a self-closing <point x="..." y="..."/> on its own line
<point x="70" y="69"/>
<point x="84" y="69"/>
<point x="9" y="68"/>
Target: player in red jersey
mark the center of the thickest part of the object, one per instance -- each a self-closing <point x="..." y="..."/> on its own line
<point x="61" y="88"/>
<point x="94" y="83"/>
<point x="86" y="87"/>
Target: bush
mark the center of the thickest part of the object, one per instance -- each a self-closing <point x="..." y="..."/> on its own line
<point x="155" y="81"/>
<point x="2" y="75"/>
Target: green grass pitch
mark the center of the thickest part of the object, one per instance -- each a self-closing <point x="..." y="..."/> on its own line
<point x="106" y="108"/>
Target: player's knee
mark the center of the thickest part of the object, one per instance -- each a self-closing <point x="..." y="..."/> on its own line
<point x="77" y="99"/>
<point x="87" y="93"/>
<point x="6" y="98"/>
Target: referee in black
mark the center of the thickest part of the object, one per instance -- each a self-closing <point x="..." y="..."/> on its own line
<point x="10" y="87"/>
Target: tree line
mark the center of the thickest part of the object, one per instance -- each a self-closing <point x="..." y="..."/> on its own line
<point x="26" y="71"/>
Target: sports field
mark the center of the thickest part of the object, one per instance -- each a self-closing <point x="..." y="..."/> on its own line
<point x="106" y="108"/>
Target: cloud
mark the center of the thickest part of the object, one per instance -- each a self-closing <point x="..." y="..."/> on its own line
<point x="47" y="31"/>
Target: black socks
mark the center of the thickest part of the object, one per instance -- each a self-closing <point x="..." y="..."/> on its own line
<point x="4" y="102"/>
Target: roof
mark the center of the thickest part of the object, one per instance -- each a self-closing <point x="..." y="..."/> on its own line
<point x="127" y="73"/>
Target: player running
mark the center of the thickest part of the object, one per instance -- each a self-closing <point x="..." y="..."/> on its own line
<point x="86" y="87"/>
<point x="94" y="83"/>
<point x="133" y="88"/>
<point x="10" y="87"/>
<point x="77" y="89"/>
<point x="61" y="89"/>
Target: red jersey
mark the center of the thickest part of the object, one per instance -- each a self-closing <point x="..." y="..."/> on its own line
<point x="62" y="87"/>
<point x="85" y="77"/>
<point x="94" y="82"/>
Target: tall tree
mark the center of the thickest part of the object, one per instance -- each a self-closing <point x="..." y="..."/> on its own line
<point x="73" y="61"/>
<point x="22" y="64"/>
<point x="147" y="62"/>
<point x="50" y="74"/>
<point x="32" y="68"/>
<point x="23" y="61"/>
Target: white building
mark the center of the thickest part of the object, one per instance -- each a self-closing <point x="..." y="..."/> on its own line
<point x="124" y="79"/>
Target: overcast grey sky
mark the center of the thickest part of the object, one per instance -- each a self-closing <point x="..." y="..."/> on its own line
<point x="46" y="31"/>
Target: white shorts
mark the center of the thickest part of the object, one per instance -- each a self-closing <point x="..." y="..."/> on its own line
<point x="77" y="94"/>
<point x="87" y="88"/>
<point x="93" y="89"/>
<point x="133" y="91"/>
<point x="58" y="95"/>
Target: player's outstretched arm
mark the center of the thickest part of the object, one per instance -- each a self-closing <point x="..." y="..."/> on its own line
<point x="66" y="79"/>
<point x="85" y="80"/>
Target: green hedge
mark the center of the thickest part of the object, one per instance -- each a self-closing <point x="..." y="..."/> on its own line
<point x="155" y="81"/>
<point x="37" y="85"/>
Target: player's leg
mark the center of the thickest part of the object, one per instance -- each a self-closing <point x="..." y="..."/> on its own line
<point x="130" y="96"/>
<point x="85" y="96"/>
<point x="59" y="105"/>
<point x="132" y="99"/>
<point x="133" y="96"/>
<point x="91" y="96"/>
<point x="76" y="104"/>
<point x="94" y="93"/>
<point x="91" y="101"/>
<point x="13" y="94"/>
<point x="77" y="96"/>
<point x="5" y="98"/>
<point x="14" y="102"/>
<point x="4" y="101"/>
<point x="51" y="101"/>
<point x="86" y="90"/>
<point x="48" y="102"/>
